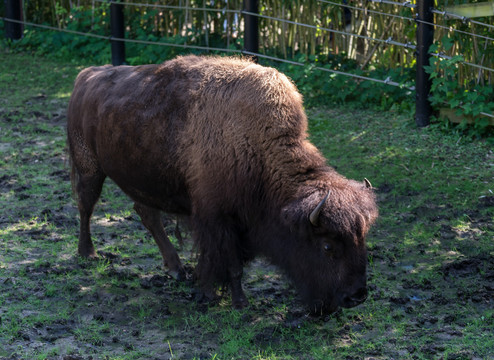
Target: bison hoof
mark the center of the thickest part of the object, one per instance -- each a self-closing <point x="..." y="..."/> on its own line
<point x="178" y="275"/>
<point x="240" y="303"/>
<point x="88" y="255"/>
<point x="207" y="297"/>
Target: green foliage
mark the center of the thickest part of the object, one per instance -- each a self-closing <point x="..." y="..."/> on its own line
<point x="69" y="46"/>
<point x="468" y="99"/>
<point x="321" y="88"/>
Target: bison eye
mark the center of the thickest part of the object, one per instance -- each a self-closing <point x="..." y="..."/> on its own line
<point x="327" y="248"/>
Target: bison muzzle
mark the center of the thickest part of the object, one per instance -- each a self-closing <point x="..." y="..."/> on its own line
<point x="222" y="141"/>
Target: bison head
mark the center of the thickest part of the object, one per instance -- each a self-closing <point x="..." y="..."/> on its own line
<point x="327" y="254"/>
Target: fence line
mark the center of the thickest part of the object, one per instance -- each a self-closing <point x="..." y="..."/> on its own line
<point x="419" y="19"/>
<point x="407" y="4"/>
<point x="207" y="48"/>
<point x="344" y="33"/>
<point x="113" y="38"/>
<point x="442" y="56"/>
<point x="444" y="13"/>
<point x="47" y="27"/>
<point x="366" y="10"/>
<point x="244" y="12"/>
<point x="462" y="18"/>
<point x="171" y="7"/>
<point x="387" y="81"/>
<point x="388" y="41"/>
<point x="455" y="30"/>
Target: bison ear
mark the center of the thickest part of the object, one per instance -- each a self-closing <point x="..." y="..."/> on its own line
<point x="314" y="215"/>
<point x="367" y="183"/>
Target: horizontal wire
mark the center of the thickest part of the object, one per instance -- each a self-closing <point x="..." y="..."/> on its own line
<point x="367" y="10"/>
<point x="404" y="4"/>
<point x="57" y="29"/>
<point x="462" y="18"/>
<point x="388" y="41"/>
<point x="442" y="56"/>
<point x="387" y="81"/>
<point x="454" y="30"/>
<point x="173" y="7"/>
<point x="111" y="38"/>
<point x="480" y="113"/>
<point x="435" y="11"/>
<point x="184" y="46"/>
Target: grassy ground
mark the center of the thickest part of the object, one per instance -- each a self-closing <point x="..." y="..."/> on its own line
<point x="431" y="254"/>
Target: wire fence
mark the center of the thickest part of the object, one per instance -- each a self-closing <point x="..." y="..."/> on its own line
<point x="462" y="18"/>
<point x="380" y="32"/>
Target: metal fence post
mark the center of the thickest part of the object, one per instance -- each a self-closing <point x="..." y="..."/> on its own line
<point x="425" y="38"/>
<point x="251" y="34"/>
<point x="13" y="10"/>
<point x="117" y="31"/>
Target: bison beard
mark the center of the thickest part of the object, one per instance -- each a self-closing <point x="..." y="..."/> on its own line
<point x="224" y="142"/>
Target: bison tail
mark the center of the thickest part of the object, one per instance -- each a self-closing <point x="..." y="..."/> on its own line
<point x="73" y="173"/>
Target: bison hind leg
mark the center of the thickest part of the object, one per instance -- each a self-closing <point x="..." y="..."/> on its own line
<point x="151" y="219"/>
<point x="88" y="189"/>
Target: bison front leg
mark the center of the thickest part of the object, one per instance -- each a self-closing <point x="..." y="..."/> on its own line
<point x="220" y="260"/>
<point x="239" y="300"/>
<point x="151" y="218"/>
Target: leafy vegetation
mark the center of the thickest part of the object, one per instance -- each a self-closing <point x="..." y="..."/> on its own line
<point x="468" y="101"/>
<point x="318" y="87"/>
<point x="431" y="255"/>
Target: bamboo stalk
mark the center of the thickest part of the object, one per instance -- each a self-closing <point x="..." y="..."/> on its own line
<point x="283" y="32"/>
<point x="206" y="24"/>
<point x="92" y="14"/>
<point x="371" y="53"/>
<point x="480" y="77"/>
<point x="180" y="30"/>
<point x="228" y="24"/>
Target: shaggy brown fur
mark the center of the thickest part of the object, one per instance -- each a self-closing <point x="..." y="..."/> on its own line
<point x="224" y="141"/>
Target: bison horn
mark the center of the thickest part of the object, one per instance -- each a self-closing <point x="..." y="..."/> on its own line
<point x="367" y="183"/>
<point x="314" y="215"/>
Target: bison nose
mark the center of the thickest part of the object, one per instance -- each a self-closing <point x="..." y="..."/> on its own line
<point x="354" y="299"/>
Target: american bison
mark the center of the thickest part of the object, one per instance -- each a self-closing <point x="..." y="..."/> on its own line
<point x="222" y="141"/>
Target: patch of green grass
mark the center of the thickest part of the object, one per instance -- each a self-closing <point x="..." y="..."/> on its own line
<point x="93" y="332"/>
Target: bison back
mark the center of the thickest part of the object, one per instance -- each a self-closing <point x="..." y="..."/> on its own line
<point x="181" y="134"/>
